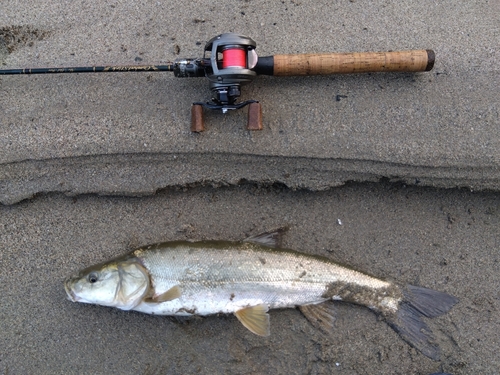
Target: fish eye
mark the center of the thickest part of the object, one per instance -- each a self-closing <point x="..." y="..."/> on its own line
<point x="93" y="277"/>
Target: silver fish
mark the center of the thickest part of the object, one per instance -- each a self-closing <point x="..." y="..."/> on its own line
<point x="248" y="278"/>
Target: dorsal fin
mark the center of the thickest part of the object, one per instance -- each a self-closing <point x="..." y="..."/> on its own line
<point x="255" y="318"/>
<point x="269" y="239"/>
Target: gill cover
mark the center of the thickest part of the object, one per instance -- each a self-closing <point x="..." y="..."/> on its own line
<point x="133" y="286"/>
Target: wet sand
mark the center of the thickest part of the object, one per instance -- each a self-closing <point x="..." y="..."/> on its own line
<point x="442" y="239"/>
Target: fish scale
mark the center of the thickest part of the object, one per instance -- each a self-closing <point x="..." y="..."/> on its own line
<point x="231" y="272"/>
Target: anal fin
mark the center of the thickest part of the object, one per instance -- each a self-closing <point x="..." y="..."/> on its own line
<point x="321" y="316"/>
<point x="255" y="318"/>
<point x="169" y="295"/>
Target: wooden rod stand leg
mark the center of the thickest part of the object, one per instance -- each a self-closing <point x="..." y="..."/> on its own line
<point x="254" y="116"/>
<point x="197" y="122"/>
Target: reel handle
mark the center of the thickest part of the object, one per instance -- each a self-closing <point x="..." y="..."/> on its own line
<point x="355" y="62"/>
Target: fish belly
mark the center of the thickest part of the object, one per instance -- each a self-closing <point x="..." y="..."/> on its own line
<point x="197" y="299"/>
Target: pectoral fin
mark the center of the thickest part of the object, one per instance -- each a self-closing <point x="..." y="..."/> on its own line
<point x="321" y="316"/>
<point x="255" y="318"/>
<point x="169" y="295"/>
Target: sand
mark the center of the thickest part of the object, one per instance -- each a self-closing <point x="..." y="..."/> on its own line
<point x="94" y="165"/>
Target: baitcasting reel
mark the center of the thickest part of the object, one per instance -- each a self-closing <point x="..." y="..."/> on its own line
<point x="229" y="61"/>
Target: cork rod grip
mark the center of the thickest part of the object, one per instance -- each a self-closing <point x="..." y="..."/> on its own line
<point x="356" y="62"/>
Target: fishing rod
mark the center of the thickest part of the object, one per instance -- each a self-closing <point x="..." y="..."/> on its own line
<point x="229" y="61"/>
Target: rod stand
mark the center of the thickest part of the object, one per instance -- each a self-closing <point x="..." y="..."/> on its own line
<point x="254" y="113"/>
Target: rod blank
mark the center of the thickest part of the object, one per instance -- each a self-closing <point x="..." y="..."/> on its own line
<point x="91" y="69"/>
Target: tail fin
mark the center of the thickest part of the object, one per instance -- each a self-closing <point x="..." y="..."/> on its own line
<point x="421" y="302"/>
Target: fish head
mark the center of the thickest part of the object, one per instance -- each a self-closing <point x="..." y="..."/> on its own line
<point x="120" y="284"/>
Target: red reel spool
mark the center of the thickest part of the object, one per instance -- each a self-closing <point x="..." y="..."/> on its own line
<point x="234" y="58"/>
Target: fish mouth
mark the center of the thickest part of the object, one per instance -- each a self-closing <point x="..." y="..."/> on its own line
<point x="71" y="295"/>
